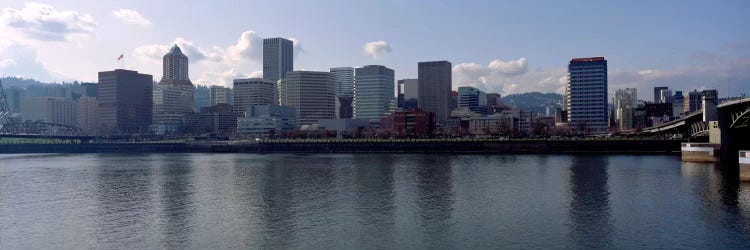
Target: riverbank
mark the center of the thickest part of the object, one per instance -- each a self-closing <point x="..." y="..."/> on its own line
<point x="362" y="146"/>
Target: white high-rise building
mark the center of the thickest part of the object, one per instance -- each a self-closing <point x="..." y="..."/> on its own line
<point x="312" y="94"/>
<point x="49" y="109"/>
<point x="87" y="113"/>
<point x="173" y="96"/>
<point x="253" y="91"/>
<point x="373" y="92"/>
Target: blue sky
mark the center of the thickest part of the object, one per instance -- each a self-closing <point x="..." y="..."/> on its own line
<point x="499" y="46"/>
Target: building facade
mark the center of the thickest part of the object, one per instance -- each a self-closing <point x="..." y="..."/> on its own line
<point x="410" y="123"/>
<point x="87" y="114"/>
<point x="434" y="88"/>
<point x="624" y="105"/>
<point x="219" y="95"/>
<point x="658" y="94"/>
<point x="253" y="91"/>
<point x="586" y="94"/>
<point x="57" y="110"/>
<point x="408" y="94"/>
<point x="692" y="101"/>
<point x="373" y="92"/>
<point x="473" y="99"/>
<point x="278" y="58"/>
<point x="264" y="121"/>
<point x="173" y="96"/>
<point x="344" y="80"/>
<point x="125" y="102"/>
<point x="493" y="99"/>
<point x="218" y="119"/>
<point x="311" y="94"/>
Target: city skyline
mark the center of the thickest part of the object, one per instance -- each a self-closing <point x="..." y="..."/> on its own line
<point x="508" y="58"/>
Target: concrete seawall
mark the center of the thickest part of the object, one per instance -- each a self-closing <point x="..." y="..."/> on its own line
<point x="364" y="146"/>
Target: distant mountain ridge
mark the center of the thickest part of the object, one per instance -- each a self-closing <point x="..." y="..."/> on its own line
<point x="535" y="102"/>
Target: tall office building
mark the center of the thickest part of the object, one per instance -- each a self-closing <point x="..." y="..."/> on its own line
<point x="219" y="95"/>
<point x="408" y="94"/>
<point x="692" y="101"/>
<point x="658" y="95"/>
<point x="87" y="114"/>
<point x="312" y="94"/>
<point x="435" y="83"/>
<point x="493" y="99"/>
<point x="278" y="58"/>
<point x="49" y="109"/>
<point x="586" y="94"/>
<point x="125" y="102"/>
<point x="253" y="91"/>
<point x="173" y="96"/>
<point x="344" y="81"/>
<point x="624" y="105"/>
<point x="665" y="96"/>
<point x="678" y="104"/>
<point x="373" y="92"/>
<point x="473" y="99"/>
<point x="344" y="78"/>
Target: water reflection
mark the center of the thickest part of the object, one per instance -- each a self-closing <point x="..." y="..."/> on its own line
<point x="124" y="193"/>
<point x="277" y="214"/>
<point x="435" y="200"/>
<point x="375" y="199"/>
<point x="589" y="202"/>
<point x="176" y="172"/>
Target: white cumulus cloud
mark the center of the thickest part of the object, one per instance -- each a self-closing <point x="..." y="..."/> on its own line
<point x="377" y="48"/>
<point x="498" y="76"/>
<point x="131" y="16"/>
<point x="43" y="22"/>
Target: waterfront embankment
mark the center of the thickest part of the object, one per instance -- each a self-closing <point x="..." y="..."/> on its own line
<point x="490" y="146"/>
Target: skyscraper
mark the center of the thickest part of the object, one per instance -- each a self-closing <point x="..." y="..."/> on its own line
<point x="373" y="92"/>
<point x="220" y="94"/>
<point x="586" y="94"/>
<point x="657" y="94"/>
<point x="344" y="78"/>
<point x="624" y="105"/>
<point x="125" y="102"/>
<point x="173" y="96"/>
<point x="473" y="99"/>
<point x="87" y="113"/>
<point x="312" y="94"/>
<point x="253" y="91"/>
<point x="493" y="99"/>
<point x="435" y="83"/>
<point x="408" y="93"/>
<point x="278" y="58"/>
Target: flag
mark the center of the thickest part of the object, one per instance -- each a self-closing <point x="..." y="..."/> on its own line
<point x="120" y="57"/>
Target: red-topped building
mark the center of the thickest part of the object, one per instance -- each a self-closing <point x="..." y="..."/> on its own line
<point x="412" y="123"/>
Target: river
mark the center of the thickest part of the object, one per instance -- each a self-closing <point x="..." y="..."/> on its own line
<point x="368" y="201"/>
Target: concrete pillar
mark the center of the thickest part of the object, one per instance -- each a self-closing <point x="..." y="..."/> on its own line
<point x="700" y="152"/>
<point x="744" y="162"/>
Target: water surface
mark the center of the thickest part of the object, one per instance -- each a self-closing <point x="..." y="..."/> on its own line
<point x="343" y="201"/>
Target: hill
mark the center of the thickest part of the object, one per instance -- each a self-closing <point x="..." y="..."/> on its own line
<point x="535" y="102"/>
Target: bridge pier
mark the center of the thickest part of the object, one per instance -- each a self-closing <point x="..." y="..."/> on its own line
<point x="744" y="162"/>
<point x="701" y="152"/>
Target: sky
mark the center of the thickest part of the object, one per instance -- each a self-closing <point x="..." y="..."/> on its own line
<point x="497" y="46"/>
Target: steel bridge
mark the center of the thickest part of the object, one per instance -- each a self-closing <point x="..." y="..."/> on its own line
<point x="10" y="128"/>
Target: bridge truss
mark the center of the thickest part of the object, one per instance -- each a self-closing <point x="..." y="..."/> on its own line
<point x="9" y="127"/>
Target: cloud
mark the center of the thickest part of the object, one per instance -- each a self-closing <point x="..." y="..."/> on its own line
<point x="131" y="16"/>
<point x="19" y="60"/>
<point x="377" y="48"/>
<point x="43" y="22"/>
<point x="297" y="47"/>
<point x="216" y="65"/>
<point x="155" y="52"/>
<point x="249" y="46"/>
<point x="503" y="76"/>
